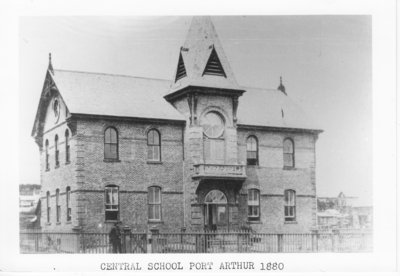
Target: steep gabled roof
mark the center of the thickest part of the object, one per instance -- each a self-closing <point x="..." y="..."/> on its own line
<point x="114" y="95"/>
<point x="127" y="96"/>
<point x="271" y="108"/>
<point x="107" y="95"/>
<point x="202" y="45"/>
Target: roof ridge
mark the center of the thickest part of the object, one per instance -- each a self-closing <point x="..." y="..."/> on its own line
<point x="108" y="74"/>
<point x="141" y="77"/>
<point x="259" y="88"/>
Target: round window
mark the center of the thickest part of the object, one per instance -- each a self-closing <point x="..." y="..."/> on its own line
<point x="213" y="125"/>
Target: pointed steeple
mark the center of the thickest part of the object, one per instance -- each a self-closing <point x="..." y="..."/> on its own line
<point x="50" y="67"/>
<point x="281" y="87"/>
<point x="204" y="61"/>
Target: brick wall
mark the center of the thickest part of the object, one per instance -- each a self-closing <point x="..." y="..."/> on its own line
<point x="58" y="178"/>
<point x="272" y="179"/>
<point x="132" y="173"/>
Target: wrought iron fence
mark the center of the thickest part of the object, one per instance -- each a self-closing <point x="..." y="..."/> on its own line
<point x="90" y="243"/>
<point x="196" y="242"/>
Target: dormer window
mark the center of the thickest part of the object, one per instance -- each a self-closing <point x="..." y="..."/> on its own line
<point x="214" y="66"/>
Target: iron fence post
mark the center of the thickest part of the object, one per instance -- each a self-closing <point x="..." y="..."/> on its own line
<point x="152" y="240"/>
<point x="280" y="242"/>
<point x="77" y="230"/>
<point x="125" y="235"/>
<point x="37" y="242"/>
<point x="335" y="240"/>
<point x="183" y="230"/>
<point x="314" y="240"/>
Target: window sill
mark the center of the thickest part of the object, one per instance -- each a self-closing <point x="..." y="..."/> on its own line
<point x="154" y="162"/>
<point x="290" y="222"/>
<point x="58" y="223"/>
<point x="111" y="221"/>
<point x="66" y="163"/>
<point x="47" y="170"/>
<point x="68" y="222"/>
<point x="289" y="168"/>
<point x="111" y="160"/>
<point x="48" y="223"/>
<point x="56" y="167"/>
<point x="155" y="221"/>
<point x="254" y="222"/>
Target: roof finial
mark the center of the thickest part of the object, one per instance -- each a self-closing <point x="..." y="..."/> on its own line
<point x="281" y="87"/>
<point x="50" y="65"/>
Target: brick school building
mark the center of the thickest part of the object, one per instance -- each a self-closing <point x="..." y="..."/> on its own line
<point x="198" y="152"/>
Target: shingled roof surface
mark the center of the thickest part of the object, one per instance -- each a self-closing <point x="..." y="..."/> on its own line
<point x="115" y="95"/>
<point x="271" y="107"/>
<point x="127" y="96"/>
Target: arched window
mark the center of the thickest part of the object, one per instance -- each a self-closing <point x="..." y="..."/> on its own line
<point x="68" y="199"/>
<point x="111" y="194"/>
<point x="56" y="151"/>
<point x="47" y="155"/>
<point x="215" y="197"/>
<point x="253" y="203"/>
<point x="290" y="205"/>
<point x="111" y="144"/>
<point x="288" y="153"/>
<point x="153" y="145"/>
<point x="214" y="143"/>
<point x="154" y="202"/>
<point x="67" y="154"/>
<point x="48" y="206"/>
<point x="252" y="150"/>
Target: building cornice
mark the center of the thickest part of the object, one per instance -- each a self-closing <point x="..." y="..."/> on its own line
<point x="279" y="129"/>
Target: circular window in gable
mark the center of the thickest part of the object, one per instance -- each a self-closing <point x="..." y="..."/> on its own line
<point x="213" y="125"/>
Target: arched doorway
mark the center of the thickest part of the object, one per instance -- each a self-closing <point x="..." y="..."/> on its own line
<point x="215" y="210"/>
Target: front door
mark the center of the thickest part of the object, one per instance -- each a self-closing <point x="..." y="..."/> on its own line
<point x="215" y="211"/>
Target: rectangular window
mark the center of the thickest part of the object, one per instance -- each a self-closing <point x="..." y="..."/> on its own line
<point x="154" y="200"/>
<point x="67" y="158"/>
<point x="57" y="158"/>
<point x="58" y="206"/>
<point x="290" y="205"/>
<point x="47" y="156"/>
<point x="153" y="153"/>
<point x="253" y="203"/>
<point x="48" y="206"/>
<point x="47" y="161"/>
<point x="111" y="203"/>
<point x="214" y="150"/>
<point x="110" y="151"/>
<point x="68" y="199"/>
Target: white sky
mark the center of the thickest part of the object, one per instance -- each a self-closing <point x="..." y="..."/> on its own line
<point x="325" y="62"/>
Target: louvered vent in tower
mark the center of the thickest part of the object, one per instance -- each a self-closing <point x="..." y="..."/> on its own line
<point x="214" y="66"/>
<point x="181" y="71"/>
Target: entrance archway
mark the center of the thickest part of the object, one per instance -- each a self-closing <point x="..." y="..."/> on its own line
<point x="215" y="210"/>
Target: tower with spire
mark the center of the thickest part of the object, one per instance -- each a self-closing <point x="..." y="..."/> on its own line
<point x="205" y="90"/>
